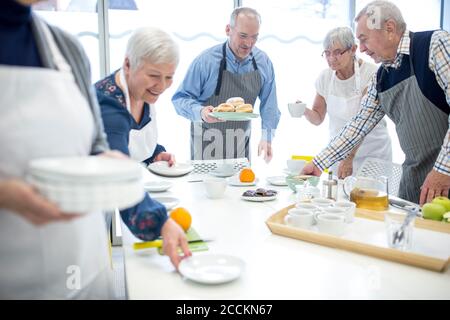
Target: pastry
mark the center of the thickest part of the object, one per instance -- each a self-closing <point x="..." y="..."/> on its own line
<point x="244" y="108"/>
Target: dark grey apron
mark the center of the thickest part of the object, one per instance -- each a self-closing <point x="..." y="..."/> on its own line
<point x="230" y="139"/>
<point x="421" y="127"/>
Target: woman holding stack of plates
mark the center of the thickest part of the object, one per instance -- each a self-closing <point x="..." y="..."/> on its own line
<point x="48" y="110"/>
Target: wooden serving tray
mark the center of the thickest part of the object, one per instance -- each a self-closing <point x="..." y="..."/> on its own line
<point x="367" y="235"/>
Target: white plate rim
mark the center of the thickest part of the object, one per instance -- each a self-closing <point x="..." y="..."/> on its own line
<point x="259" y="199"/>
<point x="234" y="181"/>
<point x="185" y="266"/>
<point x="222" y="175"/>
<point x="271" y="178"/>
<point x="159" y="169"/>
<point x="167" y="185"/>
<point x="171" y="202"/>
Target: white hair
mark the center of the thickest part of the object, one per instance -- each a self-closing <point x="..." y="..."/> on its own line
<point x="245" y="11"/>
<point x="341" y="35"/>
<point x="380" y="12"/>
<point x="151" y="45"/>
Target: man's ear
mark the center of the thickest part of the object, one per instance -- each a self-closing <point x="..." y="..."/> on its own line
<point x="391" y="28"/>
<point x="228" y="30"/>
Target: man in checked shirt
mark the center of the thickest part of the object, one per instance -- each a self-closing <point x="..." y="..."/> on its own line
<point x="412" y="87"/>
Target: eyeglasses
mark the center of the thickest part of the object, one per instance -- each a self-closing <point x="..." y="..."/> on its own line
<point x="336" y="53"/>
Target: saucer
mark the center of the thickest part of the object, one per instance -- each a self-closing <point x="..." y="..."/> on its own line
<point x="211" y="268"/>
<point x="234" y="181"/>
<point x="259" y="199"/>
<point x="222" y="174"/>
<point x="168" y="202"/>
<point x="277" y="180"/>
<point x="157" y="186"/>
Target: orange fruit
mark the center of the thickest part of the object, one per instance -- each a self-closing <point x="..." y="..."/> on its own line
<point x="182" y="217"/>
<point x="247" y="175"/>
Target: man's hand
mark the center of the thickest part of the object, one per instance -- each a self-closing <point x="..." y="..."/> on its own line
<point x="165" y="156"/>
<point x="174" y="237"/>
<point x="310" y="168"/>
<point x="24" y="200"/>
<point x="205" y="114"/>
<point x="345" y="168"/>
<point x="265" y="148"/>
<point x="436" y="184"/>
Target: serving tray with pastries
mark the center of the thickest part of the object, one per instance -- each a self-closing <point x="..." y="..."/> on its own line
<point x="234" y="109"/>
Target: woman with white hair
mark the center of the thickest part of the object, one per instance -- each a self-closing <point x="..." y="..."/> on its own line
<point x="339" y="92"/>
<point x="127" y="96"/>
<point x="126" y="99"/>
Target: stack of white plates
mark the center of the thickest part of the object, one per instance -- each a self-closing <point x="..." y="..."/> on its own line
<point x="86" y="184"/>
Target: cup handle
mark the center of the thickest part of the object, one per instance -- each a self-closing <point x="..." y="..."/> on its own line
<point x="349" y="183"/>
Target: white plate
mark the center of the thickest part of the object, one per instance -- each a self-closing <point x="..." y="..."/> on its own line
<point x="168" y="202"/>
<point x="211" y="268"/>
<point x="87" y="169"/>
<point x="222" y="174"/>
<point x="259" y="199"/>
<point x="234" y="181"/>
<point x="162" y="168"/>
<point x="157" y="186"/>
<point x="277" y="180"/>
<point x="288" y="172"/>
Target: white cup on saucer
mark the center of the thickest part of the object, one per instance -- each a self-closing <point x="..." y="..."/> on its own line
<point x="215" y="187"/>
<point x="300" y="218"/>
<point x="331" y="223"/>
<point x="349" y="207"/>
<point x="225" y="168"/>
<point x="322" y="202"/>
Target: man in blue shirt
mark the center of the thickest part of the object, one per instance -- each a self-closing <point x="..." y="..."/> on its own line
<point x="233" y="69"/>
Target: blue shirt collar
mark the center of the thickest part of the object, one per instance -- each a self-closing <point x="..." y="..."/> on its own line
<point x="232" y="57"/>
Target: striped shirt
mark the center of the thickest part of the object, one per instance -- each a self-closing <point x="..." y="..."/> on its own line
<point x="371" y="113"/>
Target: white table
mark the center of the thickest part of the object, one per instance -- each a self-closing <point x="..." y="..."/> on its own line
<point x="276" y="267"/>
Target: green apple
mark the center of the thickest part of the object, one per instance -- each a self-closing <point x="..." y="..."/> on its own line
<point x="433" y="211"/>
<point x="444" y="201"/>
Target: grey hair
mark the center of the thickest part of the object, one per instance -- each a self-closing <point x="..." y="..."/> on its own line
<point x="341" y="35"/>
<point x="151" y="45"/>
<point x="246" y="11"/>
<point x="382" y="11"/>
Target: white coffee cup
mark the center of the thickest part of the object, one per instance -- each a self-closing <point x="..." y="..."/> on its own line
<point x="322" y="202"/>
<point x="295" y="166"/>
<point x="297" y="109"/>
<point x="300" y="218"/>
<point x="215" y="187"/>
<point x="331" y="223"/>
<point x="225" y="168"/>
<point x="349" y="207"/>
<point x="306" y="206"/>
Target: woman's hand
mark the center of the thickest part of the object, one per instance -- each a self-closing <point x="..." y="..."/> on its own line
<point x="174" y="237"/>
<point x="345" y="168"/>
<point x="165" y="156"/>
<point x="24" y="200"/>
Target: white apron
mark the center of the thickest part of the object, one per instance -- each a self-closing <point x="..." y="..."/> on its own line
<point x="377" y="144"/>
<point x="44" y="114"/>
<point x="141" y="143"/>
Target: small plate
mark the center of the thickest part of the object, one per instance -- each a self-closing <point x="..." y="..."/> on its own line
<point x="168" y="202"/>
<point x="259" y="199"/>
<point x="234" y="181"/>
<point x="157" y="186"/>
<point x="162" y="168"/>
<point x="211" y="268"/>
<point x="234" y="116"/>
<point x="277" y="180"/>
<point x="289" y="172"/>
<point x="222" y="174"/>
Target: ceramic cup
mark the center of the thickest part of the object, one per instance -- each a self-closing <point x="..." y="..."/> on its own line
<point x="322" y="202"/>
<point x="300" y="218"/>
<point x="225" y="168"/>
<point x="295" y="166"/>
<point x="297" y="109"/>
<point x="331" y="223"/>
<point x="349" y="207"/>
<point x="215" y="187"/>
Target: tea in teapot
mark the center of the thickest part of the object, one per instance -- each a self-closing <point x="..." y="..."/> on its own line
<point x="368" y="193"/>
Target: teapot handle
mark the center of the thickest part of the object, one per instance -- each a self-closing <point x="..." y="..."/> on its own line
<point x="349" y="183"/>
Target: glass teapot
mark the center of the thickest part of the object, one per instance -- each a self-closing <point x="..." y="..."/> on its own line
<point x="368" y="193"/>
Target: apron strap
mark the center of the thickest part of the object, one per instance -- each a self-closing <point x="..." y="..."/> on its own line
<point x="223" y="67"/>
<point x="411" y="37"/>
